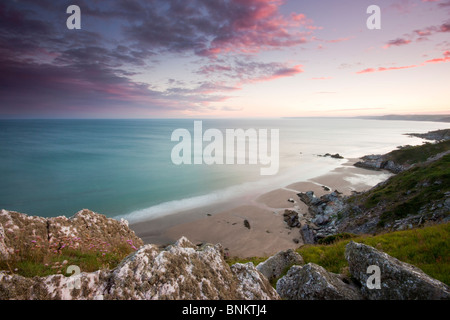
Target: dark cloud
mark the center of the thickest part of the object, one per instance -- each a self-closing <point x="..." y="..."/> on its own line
<point x="397" y="42"/>
<point x="209" y="28"/>
<point x="48" y="69"/>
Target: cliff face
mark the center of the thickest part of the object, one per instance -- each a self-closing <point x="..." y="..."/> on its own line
<point x="180" y="271"/>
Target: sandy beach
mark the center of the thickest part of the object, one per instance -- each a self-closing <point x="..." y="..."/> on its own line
<point x="266" y="233"/>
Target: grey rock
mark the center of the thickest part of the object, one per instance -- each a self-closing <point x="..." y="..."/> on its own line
<point x="291" y="218"/>
<point x="4" y="250"/>
<point x="312" y="282"/>
<point x="273" y="267"/>
<point x="251" y="284"/>
<point x="307" y="234"/>
<point x="181" y="271"/>
<point x="19" y="228"/>
<point x="399" y="280"/>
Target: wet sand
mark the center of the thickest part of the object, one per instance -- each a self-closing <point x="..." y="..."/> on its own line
<point x="224" y="222"/>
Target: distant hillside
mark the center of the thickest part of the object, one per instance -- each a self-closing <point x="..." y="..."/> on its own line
<point x="411" y="117"/>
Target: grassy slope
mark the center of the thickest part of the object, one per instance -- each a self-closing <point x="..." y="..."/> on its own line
<point x="416" y="154"/>
<point x="406" y="192"/>
<point x="32" y="262"/>
<point x="426" y="248"/>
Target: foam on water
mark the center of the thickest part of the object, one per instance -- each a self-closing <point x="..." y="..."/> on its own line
<point x="237" y="193"/>
<point x="123" y="168"/>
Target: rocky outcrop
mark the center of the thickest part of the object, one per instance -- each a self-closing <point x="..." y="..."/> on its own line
<point x="181" y="271"/>
<point x="438" y="135"/>
<point x="398" y="280"/>
<point x="379" y="162"/>
<point x="312" y="282"/>
<point x="322" y="215"/>
<point x="335" y="156"/>
<point x="274" y="267"/>
<point x="252" y="285"/>
<point x="307" y="234"/>
<point x="325" y="206"/>
<point x="85" y="230"/>
<point x="291" y="216"/>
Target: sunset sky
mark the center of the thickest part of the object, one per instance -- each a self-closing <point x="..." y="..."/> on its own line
<point x="223" y="58"/>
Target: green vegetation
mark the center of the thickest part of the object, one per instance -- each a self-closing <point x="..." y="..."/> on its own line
<point x="406" y="192"/>
<point x="417" y="154"/>
<point x="427" y="248"/>
<point x="30" y="261"/>
<point x="255" y="260"/>
<point x="336" y="237"/>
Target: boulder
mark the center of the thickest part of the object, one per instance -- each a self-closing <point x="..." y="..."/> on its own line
<point x="291" y="218"/>
<point x="274" y="267"/>
<point x="251" y="284"/>
<point x="398" y="280"/>
<point x="84" y="229"/>
<point x="312" y="282"/>
<point x="181" y="271"/>
<point x="307" y="197"/>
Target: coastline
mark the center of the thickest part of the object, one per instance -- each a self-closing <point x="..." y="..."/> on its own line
<point x="267" y="233"/>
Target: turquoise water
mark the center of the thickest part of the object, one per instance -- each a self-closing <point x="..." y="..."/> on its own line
<point x="123" y="167"/>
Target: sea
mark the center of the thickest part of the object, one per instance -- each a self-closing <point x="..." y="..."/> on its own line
<point x="125" y="169"/>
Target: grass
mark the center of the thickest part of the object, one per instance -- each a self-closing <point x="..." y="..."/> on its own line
<point x="254" y="260"/>
<point x="406" y="192"/>
<point x="417" y="154"/>
<point x="427" y="248"/>
<point x="33" y="260"/>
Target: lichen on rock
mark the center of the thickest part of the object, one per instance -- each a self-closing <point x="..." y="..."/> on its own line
<point x="398" y="280"/>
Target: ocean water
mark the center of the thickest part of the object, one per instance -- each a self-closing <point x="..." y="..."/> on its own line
<point x="123" y="168"/>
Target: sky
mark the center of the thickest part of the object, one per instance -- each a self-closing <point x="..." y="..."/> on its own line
<point x="223" y="58"/>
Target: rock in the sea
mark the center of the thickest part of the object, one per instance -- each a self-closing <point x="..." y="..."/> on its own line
<point x="312" y="282"/>
<point x="398" y="280"/>
<point x="273" y="267"/>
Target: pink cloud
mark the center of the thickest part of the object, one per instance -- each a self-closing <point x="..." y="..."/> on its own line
<point x="369" y="70"/>
<point x="277" y="74"/>
<point x="445" y="59"/>
<point x="438" y="60"/>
